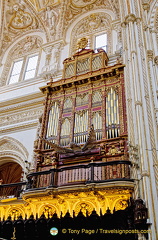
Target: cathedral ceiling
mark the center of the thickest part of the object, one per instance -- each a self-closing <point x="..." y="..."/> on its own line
<point x="49" y="17"/>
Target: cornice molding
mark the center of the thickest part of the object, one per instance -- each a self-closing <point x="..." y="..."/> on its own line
<point x="19" y="127"/>
<point x="20" y="102"/>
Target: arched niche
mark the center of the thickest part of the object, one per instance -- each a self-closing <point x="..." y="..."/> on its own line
<point x="10" y="172"/>
<point x="13" y="159"/>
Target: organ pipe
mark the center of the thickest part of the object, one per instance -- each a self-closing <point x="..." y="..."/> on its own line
<point x="52" y="123"/>
<point x="112" y="114"/>
<point x="80" y="129"/>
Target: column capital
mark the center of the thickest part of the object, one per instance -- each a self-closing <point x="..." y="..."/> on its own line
<point x="146" y="6"/>
<point x="130" y="18"/>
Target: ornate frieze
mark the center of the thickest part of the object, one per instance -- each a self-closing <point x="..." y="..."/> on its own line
<point x="20" y="117"/>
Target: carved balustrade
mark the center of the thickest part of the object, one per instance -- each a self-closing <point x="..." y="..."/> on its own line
<point x="81" y="174"/>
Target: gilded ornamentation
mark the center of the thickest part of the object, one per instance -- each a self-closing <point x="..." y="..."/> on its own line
<point x="47" y="210"/>
<point x="50" y="203"/>
<point x="121" y="204"/>
<point x="20" y="18"/>
<point x="15" y="213"/>
<point x="113" y="150"/>
<point x="82" y="43"/>
<point x="84" y="207"/>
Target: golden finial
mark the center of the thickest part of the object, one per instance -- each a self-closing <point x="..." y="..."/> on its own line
<point x="14" y="238"/>
<point x="82" y="43"/>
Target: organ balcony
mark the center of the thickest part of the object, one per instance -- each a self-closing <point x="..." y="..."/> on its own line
<point x="82" y="134"/>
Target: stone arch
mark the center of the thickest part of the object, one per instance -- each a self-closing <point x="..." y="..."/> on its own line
<point x="100" y="16"/>
<point x="11" y="150"/>
<point x="29" y="44"/>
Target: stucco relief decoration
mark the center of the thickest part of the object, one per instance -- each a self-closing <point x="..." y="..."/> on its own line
<point x="50" y="19"/>
<point x="20" y="19"/>
<point x="82" y="3"/>
<point x="75" y="7"/>
<point x="29" y="44"/>
<point x="40" y="4"/>
<point x="90" y="23"/>
<point x="93" y="23"/>
<point x="9" y="144"/>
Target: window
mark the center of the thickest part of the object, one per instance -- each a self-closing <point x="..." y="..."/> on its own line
<point x="15" y="74"/>
<point x="29" y="66"/>
<point x="101" y="42"/>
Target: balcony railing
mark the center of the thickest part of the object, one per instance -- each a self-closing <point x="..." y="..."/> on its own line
<point x="11" y="190"/>
<point x="81" y="174"/>
<point x="67" y="176"/>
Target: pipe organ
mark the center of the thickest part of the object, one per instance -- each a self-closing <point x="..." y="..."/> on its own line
<point x="83" y="140"/>
<point x="81" y="125"/>
<point x="84" y="105"/>
<point x="65" y="132"/>
<point x="112" y="114"/>
<point x="52" y="125"/>
<point x="87" y="106"/>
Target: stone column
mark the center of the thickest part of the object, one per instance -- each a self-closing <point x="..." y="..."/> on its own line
<point x="140" y="105"/>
